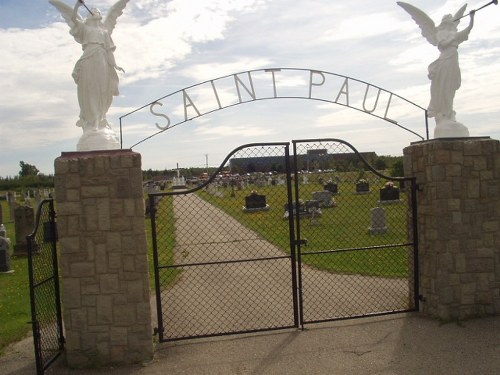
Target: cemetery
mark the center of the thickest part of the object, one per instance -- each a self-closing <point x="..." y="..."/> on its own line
<point x="342" y="222"/>
<point x="274" y="239"/>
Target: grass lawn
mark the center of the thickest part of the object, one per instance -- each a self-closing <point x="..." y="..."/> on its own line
<point x="15" y="311"/>
<point x="165" y="238"/>
<point x="333" y="238"/>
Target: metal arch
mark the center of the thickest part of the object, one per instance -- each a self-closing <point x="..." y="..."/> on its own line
<point x="254" y="99"/>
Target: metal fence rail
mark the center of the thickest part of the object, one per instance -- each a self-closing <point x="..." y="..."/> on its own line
<point x="46" y="318"/>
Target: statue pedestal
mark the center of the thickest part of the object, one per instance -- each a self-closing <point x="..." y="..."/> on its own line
<point x="450" y="129"/>
<point x="104" y="258"/>
<point x="458" y="225"/>
<point x="100" y="139"/>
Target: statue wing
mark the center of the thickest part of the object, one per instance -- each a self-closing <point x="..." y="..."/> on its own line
<point x="425" y="23"/>
<point x="66" y="12"/>
<point x="114" y="12"/>
<point x="460" y="13"/>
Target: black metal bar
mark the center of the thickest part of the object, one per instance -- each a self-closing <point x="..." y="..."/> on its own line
<point x="179" y="265"/>
<point x="297" y="240"/>
<point x="426" y="124"/>
<point x="416" y="268"/>
<point x="293" y="247"/>
<point x="159" y="315"/>
<point x="222" y="334"/>
<point x="121" y="134"/>
<point x="34" y="318"/>
<point x="367" y="248"/>
<point x="55" y="264"/>
<point x="360" y="316"/>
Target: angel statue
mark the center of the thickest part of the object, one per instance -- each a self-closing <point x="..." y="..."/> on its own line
<point x="444" y="73"/>
<point x="95" y="72"/>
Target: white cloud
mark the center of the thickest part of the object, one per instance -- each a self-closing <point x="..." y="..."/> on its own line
<point x="165" y="46"/>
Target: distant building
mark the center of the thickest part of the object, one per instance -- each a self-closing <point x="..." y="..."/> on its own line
<point x="313" y="160"/>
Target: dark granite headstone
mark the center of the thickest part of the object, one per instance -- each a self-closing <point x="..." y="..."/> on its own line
<point x="255" y="201"/>
<point x="362" y="187"/>
<point x="389" y="193"/>
<point x="332" y="187"/>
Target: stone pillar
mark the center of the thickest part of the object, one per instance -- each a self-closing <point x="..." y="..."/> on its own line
<point x="104" y="266"/>
<point x="459" y="225"/>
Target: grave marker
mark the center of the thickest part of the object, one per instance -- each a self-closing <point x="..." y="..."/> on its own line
<point x="24" y="222"/>
<point x="378" y="221"/>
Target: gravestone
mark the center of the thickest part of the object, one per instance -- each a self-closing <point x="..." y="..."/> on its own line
<point x="4" y="251"/>
<point x="379" y="225"/>
<point x="389" y="193"/>
<point x="11" y="199"/>
<point x="313" y="209"/>
<point x="24" y="222"/>
<point x="1" y="214"/>
<point x="255" y="202"/>
<point x="362" y="187"/>
<point x="325" y="198"/>
<point x="38" y="197"/>
<point x="332" y="187"/>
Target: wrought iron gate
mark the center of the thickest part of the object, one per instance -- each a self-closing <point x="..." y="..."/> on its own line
<point x="46" y="318"/>
<point x="356" y="230"/>
<point x="224" y="262"/>
<point x="274" y="240"/>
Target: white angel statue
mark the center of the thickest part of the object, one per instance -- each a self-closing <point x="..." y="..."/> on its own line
<point x="444" y="73"/>
<point x="95" y="72"/>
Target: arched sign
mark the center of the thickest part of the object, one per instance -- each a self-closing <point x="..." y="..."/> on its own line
<point x="264" y="84"/>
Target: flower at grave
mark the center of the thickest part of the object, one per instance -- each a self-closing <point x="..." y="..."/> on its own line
<point x="389" y="184"/>
<point x="361" y="181"/>
<point x="254" y="192"/>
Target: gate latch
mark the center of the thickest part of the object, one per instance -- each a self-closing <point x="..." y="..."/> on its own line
<point x="301" y="242"/>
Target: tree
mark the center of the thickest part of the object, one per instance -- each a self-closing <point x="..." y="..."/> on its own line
<point x="397" y="169"/>
<point x="27" y="169"/>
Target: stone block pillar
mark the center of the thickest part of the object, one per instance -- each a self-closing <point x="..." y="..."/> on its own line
<point x="104" y="266"/>
<point x="459" y="225"/>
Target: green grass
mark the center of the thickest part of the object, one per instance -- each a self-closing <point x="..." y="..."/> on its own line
<point x="339" y="229"/>
<point x="15" y="310"/>
<point x="165" y="237"/>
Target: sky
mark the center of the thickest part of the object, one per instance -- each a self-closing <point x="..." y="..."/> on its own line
<point x="168" y="45"/>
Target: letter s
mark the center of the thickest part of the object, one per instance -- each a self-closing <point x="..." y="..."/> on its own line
<point x="161" y="115"/>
